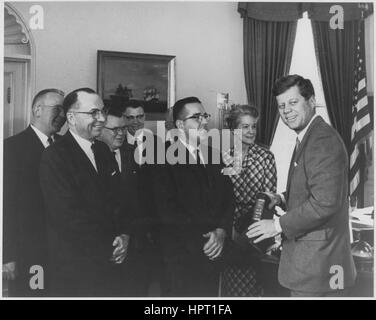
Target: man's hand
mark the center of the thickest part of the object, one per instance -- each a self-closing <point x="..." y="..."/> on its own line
<point x="275" y="199"/>
<point x="120" y="252"/>
<point x="9" y="270"/>
<point x="214" y="246"/>
<point x="262" y="229"/>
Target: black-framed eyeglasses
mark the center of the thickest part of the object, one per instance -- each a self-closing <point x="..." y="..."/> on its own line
<point x="132" y="118"/>
<point x="198" y="117"/>
<point x="95" y="113"/>
<point x="117" y="130"/>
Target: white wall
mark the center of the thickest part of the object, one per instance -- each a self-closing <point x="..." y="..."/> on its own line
<point x="206" y="39"/>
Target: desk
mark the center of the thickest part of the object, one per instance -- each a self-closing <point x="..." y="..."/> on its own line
<point x="363" y="285"/>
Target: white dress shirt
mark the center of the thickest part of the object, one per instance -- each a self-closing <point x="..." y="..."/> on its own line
<point x="118" y="158"/>
<point x="42" y="137"/>
<point x="132" y="139"/>
<point x="86" y="147"/>
<point x="302" y="133"/>
<point x="192" y="150"/>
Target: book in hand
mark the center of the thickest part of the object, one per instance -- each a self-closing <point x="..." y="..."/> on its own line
<point x="259" y="211"/>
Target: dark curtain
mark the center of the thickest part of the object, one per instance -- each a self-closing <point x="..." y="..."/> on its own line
<point x="335" y="51"/>
<point x="267" y="56"/>
<point x="269" y="33"/>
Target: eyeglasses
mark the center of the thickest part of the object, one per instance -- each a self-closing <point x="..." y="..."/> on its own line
<point x="132" y="118"/>
<point x="95" y="113"/>
<point x="199" y="117"/>
<point x="117" y="130"/>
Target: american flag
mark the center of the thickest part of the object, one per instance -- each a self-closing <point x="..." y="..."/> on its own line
<point x="361" y="126"/>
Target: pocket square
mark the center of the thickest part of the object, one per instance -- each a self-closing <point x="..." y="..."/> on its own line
<point x="295" y="164"/>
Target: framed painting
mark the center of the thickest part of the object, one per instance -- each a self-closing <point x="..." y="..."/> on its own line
<point x="148" y="78"/>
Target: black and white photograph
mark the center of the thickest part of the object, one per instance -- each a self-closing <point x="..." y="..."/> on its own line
<point x="187" y="149"/>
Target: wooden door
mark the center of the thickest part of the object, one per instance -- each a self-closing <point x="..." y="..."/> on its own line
<point x="16" y="110"/>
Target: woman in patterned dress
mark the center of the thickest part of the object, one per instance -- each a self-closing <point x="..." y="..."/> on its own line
<point x="258" y="174"/>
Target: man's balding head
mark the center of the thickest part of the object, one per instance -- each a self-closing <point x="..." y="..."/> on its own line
<point x="47" y="111"/>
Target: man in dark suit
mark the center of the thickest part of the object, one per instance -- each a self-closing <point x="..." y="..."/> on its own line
<point x="80" y="181"/>
<point x="316" y="258"/>
<point x="25" y="242"/>
<point x="195" y="204"/>
<point x="113" y="134"/>
<point x="137" y="174"/>
<point x="145" y="252"/>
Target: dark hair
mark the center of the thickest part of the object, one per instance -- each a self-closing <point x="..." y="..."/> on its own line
<point x="133" y="104"/>
<point x="115" y="110"/>
<point x="179" y="106"/>
<point x="286" y="82"/>
<point x="71" y="98"/>
<point x="237" y="111"/>
<point x="41" y="93"/>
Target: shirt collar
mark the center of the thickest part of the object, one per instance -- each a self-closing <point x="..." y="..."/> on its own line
<point x="42" y="137"/>
<point x="302" y="133"/>
<point x="191" y="149"/>
<point x="132" y="139"/>
<point x="84" y="144"/>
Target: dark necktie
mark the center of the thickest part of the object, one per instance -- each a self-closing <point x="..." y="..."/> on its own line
<point x="198" y="159"/>
<point x="94" y="147"/>
<point x="297" y="144"/>
<point x="50" y="141"/>
<point x="139" y="143"/>
<point x="115" y="161"/>
<point x="292" y="164"/>
<point x="203" y="168"/>
<point x="135" y="152"/>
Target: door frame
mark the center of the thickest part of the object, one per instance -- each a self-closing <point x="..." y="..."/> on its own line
<point x="27" y="83"/>
<point x="30" y="59"/>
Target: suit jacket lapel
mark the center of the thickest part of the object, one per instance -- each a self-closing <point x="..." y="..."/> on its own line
<point x="81" y="157"/>
<point x="198" y="169"/>
<point x="57" y="137"/>
<point x="123" y="157"/>
<point x="34" y="140"/>
<point x="127" y="155"/>
<point x="297" y="154"/>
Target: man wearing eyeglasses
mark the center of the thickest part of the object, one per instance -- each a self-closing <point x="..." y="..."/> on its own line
<point x="113" y="134"/>
<point x="80" y="183"/>
<point x="25" y="240"/>
<point x="195" y="205"/>
<point x="134" y="115"/>
<point x="137" y="179"/>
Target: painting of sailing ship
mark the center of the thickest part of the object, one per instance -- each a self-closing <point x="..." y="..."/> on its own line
<point x="147" y="78"/>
